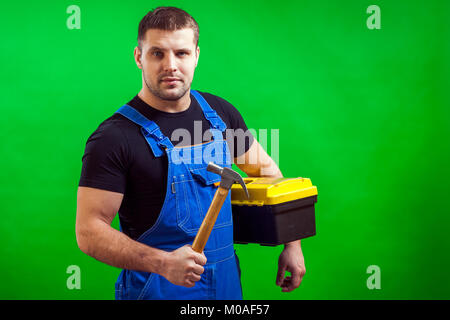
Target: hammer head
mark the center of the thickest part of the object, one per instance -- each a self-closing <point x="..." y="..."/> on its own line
<point x="228" y="177"/>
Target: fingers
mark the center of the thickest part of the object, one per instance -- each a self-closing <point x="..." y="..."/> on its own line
<point x="197" y="269"/>
<point x="193" y="278"/>
<point x="289" y="284"/>
<point x="190" y="278"/>
<point x="285" y="284"/>
<point x="200" y="258"/>
<point x="280" y="274"/>
<point x="194" y="269"/>
<point x="189" y="284"/>
<point x="293" y="282"/>
<point x="193" y="274"/>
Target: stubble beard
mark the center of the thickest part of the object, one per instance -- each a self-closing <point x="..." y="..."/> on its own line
<point x="174" y="95"/>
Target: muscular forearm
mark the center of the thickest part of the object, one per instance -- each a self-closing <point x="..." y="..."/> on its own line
<point x="257" y="163"/>
<point x="265" y="167"/>
<point x="106" y="244"/>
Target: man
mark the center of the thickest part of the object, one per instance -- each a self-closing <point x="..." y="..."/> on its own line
<point x="131" y="166"/>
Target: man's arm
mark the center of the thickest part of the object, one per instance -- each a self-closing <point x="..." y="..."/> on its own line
<point x="95" y="211"/>
<point x="257" y="163"/>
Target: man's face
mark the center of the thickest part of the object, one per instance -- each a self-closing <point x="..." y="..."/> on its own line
<point x="168" y="60"/>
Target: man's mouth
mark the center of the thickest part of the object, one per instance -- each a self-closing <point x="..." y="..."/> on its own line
<point x="170" y="79"/>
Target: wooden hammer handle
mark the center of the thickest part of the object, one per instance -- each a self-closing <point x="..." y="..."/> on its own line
<point x="210" y="219"/>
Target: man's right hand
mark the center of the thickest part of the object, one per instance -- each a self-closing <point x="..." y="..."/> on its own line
<point x="184" y="266"/>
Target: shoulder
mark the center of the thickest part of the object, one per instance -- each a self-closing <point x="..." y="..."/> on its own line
<point x="106" y="157"/>
<point x="112" y="133"/>
<point x="108" y="129"/>
<point x="226" y="110"/>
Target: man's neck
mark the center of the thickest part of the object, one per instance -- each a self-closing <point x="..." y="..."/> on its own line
<point x="166" y="105"/>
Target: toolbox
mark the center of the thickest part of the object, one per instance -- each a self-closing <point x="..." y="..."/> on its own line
<point x="279" y="210"/>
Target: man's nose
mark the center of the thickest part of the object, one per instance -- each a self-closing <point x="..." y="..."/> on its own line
<point x="170" y="64"/>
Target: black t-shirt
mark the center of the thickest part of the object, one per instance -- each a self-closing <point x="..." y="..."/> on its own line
<point x="118" y="158"/>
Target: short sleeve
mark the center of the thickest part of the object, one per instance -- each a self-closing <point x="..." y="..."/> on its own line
<point x="104" y="163"/>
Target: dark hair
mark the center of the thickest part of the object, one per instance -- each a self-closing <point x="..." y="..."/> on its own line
<point x="167" y="18"/>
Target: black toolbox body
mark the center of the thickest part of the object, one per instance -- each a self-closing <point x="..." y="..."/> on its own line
<point x="275" y="224"/>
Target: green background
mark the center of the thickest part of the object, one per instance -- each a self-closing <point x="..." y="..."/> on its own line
<point x="363" y="113"/>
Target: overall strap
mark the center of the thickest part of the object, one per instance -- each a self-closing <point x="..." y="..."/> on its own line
<point x="149" y="129"/>
<point x="211" y="115"/>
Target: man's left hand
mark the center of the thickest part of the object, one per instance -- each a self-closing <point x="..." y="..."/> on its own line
<point x="291" y="260"/>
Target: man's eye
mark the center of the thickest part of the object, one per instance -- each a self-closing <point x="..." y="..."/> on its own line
<point x="182" y="53"/>
<point x="157" y="53"/>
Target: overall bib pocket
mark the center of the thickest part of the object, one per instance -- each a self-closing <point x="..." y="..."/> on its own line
<point x="194" y="194"/>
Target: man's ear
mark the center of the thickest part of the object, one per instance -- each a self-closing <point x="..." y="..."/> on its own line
<point x="138" y="57"/>
<point x="198" y="55"/>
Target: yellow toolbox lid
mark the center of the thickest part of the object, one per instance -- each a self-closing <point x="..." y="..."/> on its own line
<point x="270" y="191"/>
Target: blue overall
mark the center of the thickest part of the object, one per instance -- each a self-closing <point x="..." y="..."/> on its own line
<point x="190" y="189"/>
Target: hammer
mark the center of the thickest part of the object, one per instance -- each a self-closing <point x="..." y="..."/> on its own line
<point x="228" y="177"/>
